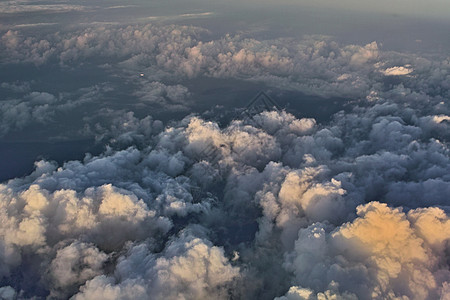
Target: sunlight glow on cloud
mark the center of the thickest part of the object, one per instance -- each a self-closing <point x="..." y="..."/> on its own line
<point x="398" y="71"/>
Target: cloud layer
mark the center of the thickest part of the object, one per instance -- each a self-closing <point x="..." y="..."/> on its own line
<point x="337" y="210"/>
<point x="169" y="56"/>
<point x="262" y="207"/>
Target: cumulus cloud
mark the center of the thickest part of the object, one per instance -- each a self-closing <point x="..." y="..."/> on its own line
<point x="389" y="257"/>
<point x="189" y="268"/>
<point x="42" y="107"/>
<point x="271" y="205"/>
<point x="303" y="196"/>
<point x="314" y="64"/>
<point x="16" y="114"/>
<point x="157" y="94"/>
<point x="73" y="265"/>
<point x="17" y="87"/>
<point x="398" y="71"/>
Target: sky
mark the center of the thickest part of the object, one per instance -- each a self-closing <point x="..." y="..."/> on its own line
<point x="130" y="167"/>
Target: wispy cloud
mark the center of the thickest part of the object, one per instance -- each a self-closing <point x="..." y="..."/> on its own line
<point x="181" y="16"/>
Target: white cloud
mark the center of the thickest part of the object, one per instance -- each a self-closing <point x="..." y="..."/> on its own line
<point x="286" y="201"/>
<point x="388" y="256"/>
<point x="398" y="71"/>
<point x="173" y="97"/>
<point x="41" y="107"/>
<point x="353" y="208"/>
<point x="190" y="268"/>
<point x="74" y="265"/>
<point x="313" y="65"/>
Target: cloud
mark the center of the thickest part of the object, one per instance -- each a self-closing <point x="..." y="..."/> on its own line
<point x="17" y="87"/>
<point x="158" y="94"/>
<point x="74" y="265"/>
<point x="17" y="114"/>
<point x="258" y="207"/>
<point x="31" y="25"/>
<point x="7" y="292"/>
<point x="179" y="17"/>
<point x="389" y="257"/>
<point x="398" y="71"/>
<point x="301" y="200"/>
<point x="299" y="293"/>
<point x="41" y="107"/>
<point x="189" y="268"/>
<point x="124" y="128"/>
<point x="314" y="65"/>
